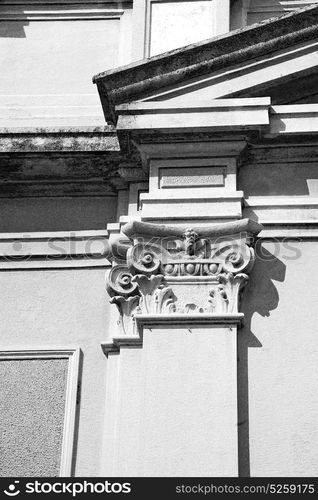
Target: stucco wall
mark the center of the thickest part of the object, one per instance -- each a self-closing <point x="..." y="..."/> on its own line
<point x="171" y="406"/>
<point x="57" y="309"/>
<point x="278" y="353"/>
<point x="50" y="53"/>
<point x="278" y="356"/>
<point x="279" y="179"/>
<point x="41" y="50"/>
<point x="56" y="213"/>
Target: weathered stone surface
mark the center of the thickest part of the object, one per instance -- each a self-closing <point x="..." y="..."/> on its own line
<point x="63" y="161"/>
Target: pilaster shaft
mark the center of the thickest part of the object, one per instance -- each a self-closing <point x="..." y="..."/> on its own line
<point x="177" y="292"/>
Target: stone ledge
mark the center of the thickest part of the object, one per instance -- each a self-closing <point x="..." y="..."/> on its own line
<point x="184" y="320"/>
<point x="113" y="347"/>
<point x="143" y="320"/>
<point x="60" y="161"/>
<point x="55" y="139"/>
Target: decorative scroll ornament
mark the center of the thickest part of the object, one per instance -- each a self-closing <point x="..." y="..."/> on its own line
<point x="234" y="257"/>
<point x="120" y="282"/>
<point x="125" y="294"/>
<point x="144" y="259"/>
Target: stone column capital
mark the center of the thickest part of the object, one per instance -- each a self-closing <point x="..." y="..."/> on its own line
<point x="179" y="275"/>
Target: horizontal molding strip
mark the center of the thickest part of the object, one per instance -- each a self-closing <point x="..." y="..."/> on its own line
<point x="282" y="7"/>
<point x="90" y="249"/>
<point x="54" y="250"/>
<point x="284" y="216"/>
<point x="64" y="14"/>
<point x="299" y="230"/>
<point x="284" y="201"/>
<point x="44" y="352"/>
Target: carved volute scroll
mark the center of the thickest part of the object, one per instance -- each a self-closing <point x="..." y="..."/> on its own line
<point x="125" y="294"/>
<point x="171" y="271"/>
<point x="144" y="259"/>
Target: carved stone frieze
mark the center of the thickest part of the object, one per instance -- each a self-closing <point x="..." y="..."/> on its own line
<point x="173" y="272"/>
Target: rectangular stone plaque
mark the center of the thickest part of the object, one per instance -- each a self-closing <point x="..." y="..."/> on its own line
<point x="191" y="177"/>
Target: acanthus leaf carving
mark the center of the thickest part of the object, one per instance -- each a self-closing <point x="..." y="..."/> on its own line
<point x="126" y="306"/>
<point x="156" y="297"/>
<point x="230" y="287"/>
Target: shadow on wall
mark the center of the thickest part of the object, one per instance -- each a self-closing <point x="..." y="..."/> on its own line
<point x="261" y="296"/>
<point x="12" y="21"/>
<point x="77" y="415"/>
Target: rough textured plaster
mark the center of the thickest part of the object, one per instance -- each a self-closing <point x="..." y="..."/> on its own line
<point x="32" y="402"/>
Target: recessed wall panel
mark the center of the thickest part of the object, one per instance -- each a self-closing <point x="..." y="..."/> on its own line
<point x="32" y="406"/>
<point x="174" y="24"/>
